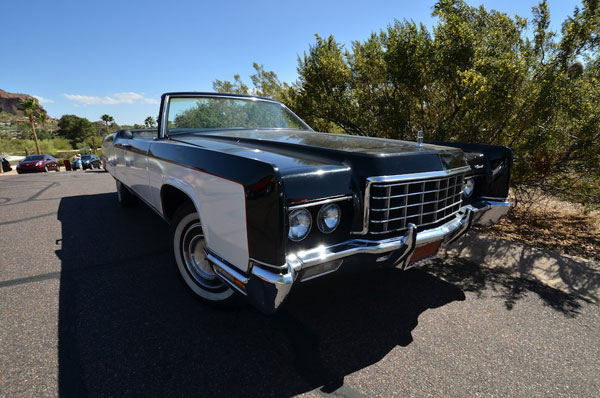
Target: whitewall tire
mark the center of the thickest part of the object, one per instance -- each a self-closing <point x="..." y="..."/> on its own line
<point x="187" y="244"/>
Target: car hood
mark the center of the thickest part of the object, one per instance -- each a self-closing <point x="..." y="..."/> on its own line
<point x="296" y="143"/>
<point x="332" y="161"/>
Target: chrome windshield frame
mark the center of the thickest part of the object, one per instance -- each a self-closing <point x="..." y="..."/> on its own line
<point x="167" y="99"/>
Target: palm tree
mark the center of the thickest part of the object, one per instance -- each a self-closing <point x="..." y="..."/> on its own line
<point x="107" y="119"/>
<point x="149" y="122"/>
<point x="41" y="118"/>
<point x="31" y="109"/>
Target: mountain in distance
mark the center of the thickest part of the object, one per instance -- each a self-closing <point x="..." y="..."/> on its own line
<point x="9" y="102"/>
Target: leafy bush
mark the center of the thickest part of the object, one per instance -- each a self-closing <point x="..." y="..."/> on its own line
<point x="22" y="147"/>
<point x="478" y="76"/>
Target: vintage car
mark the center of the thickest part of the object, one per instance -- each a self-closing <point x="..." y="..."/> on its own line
<point x="258" y="202"/>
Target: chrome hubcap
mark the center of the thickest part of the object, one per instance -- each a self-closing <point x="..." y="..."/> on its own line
<point x="193" y="244"/>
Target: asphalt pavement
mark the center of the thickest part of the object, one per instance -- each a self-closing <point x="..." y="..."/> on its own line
<point x="91" y="305"/>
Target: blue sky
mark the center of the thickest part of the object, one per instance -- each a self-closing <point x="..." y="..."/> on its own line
<point x="94" y="57"/>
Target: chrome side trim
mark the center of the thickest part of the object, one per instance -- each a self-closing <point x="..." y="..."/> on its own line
<point x="397" y="178"/>
<point x="226" y="272"/>
<point x="319" y="202"/>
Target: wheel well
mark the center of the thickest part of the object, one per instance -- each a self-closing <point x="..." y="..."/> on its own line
<point x="172" y="198"/>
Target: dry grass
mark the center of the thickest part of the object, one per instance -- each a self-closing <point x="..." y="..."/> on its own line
<point x="552" y="224"/>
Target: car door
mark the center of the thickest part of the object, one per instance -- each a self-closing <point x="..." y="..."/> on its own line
<point x="121" y="145"/>
<point x="138" y="163"/>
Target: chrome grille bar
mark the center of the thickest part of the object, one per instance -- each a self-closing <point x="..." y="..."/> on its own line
<point x="395" y="202"/>
<point x="420" y="214"/>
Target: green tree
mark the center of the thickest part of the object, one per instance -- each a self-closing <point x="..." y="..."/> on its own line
<point x="266" y="83"/>
<point x="107" y="119"/>
<point x="31" y="109"/>
<point x="94" y="142"/>
<point x="41" y="118"/>
<point x="235" y="87"/>
<point x="75" y="129"/>
<point x="477" y="76"/>
<point x="149" y="122"/>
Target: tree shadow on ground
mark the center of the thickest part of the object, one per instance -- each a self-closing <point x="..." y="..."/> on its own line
<point x="127" y="326"/>
<point x="471" y="277"/>
<point x="562" y="281"/>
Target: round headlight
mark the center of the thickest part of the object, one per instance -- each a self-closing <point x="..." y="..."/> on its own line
<point x="468" y="187"/>
<point x="328" y="218"/>
<point x="300" y="221"/>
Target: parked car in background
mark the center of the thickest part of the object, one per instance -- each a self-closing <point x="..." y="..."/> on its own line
<point x="5" y="164"/>
<point x="38" y="163"/>
<point x="90" y="162"/>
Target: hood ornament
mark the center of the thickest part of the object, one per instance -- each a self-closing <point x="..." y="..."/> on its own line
<point x="420" y="139"/>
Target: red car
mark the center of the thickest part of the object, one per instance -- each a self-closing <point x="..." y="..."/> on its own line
<point x="33" y="163"/>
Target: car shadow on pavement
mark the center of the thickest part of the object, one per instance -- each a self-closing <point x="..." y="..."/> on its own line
<point x="128" y="327"/>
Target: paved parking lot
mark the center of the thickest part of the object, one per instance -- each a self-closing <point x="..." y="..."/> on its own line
<point x="91" y="306"/>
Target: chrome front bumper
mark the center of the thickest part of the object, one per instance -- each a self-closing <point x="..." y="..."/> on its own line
<point x="268" y="290"/>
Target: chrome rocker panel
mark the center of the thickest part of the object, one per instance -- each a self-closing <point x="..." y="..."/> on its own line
<point x="268" y="290"/>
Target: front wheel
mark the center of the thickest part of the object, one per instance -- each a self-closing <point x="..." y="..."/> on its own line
<point x="188" y="243"/>
<point x="58" y="168"/>
<point x="45" y="169"/>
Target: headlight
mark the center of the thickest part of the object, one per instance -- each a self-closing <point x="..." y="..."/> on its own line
<point x="300" y="222"/>
<point x="39" y="163"/>
<point x="328" y="218"/>
<point x="468" y="187"/>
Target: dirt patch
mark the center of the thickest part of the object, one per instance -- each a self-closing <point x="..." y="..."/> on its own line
<point x="552" y="224"/>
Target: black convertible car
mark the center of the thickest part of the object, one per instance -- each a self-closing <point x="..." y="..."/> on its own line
<point x="258" y="202"/>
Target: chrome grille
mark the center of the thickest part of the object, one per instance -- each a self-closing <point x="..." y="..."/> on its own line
<point x="393" y="205"/>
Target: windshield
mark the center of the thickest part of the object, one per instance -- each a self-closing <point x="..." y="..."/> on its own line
<point x="86" y="157"/>
<point x="209" y="113"/>
<point x="31" y="158"/>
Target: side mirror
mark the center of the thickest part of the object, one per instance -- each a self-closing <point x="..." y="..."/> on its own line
<point x="126" y="134"/>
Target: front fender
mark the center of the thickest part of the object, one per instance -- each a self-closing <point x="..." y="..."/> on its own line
<point x="239" y="200"/>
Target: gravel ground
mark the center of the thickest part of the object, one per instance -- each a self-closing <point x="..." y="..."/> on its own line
<point x="90" y="306"/>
